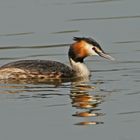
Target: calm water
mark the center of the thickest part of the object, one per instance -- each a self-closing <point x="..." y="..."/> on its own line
<point x="108" y="106"/>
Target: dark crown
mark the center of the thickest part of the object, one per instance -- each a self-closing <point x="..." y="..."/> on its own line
<point x="88" y="40"/>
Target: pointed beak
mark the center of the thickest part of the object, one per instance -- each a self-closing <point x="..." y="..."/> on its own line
<point x="101" y="53"/>
<point x="104" y="55"/>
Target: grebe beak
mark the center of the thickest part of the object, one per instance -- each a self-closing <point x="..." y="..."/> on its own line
<point x="101" y="53"/>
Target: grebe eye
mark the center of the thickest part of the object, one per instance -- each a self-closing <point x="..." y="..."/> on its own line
<point x="94" y="48"/>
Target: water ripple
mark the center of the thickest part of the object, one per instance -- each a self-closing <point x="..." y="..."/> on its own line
<point x="17" y="34"/>
<point x="95" y="1"/>
<point x="134" y="93"/>
<point x="83" y="2"/>
<point x="33" y="47"/>
<point x="129" y="41"/>
<point x="106" y="18"/>
<point x="131" y="112"/>
<point x="119" y="69"/>
<point x="65" y="32"/>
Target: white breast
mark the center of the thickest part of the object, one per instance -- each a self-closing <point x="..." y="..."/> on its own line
<point x="80" y="68"/>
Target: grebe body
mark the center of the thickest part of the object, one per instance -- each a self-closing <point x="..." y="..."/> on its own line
<point x="47" y="69"/>
<point x="42" y="69"/>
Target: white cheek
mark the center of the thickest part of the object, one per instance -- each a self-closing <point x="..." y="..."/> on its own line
<point x="90" y="49"/>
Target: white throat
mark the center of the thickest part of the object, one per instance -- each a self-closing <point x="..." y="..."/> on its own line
<point x="80" y="68"/>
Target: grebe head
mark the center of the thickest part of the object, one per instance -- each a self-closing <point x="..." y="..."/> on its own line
<point x="83" y="47"/>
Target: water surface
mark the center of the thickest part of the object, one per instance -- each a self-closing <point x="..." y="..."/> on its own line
<point x="106" y="107"/>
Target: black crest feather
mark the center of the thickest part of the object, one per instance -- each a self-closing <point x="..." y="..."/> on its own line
<point x="88" y="40"/>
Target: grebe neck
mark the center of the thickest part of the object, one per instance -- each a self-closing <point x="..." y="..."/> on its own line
<point x="80" y="68"/>
<point x="76" y="58"/>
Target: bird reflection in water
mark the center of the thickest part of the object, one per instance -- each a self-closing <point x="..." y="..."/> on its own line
<point x="81" y="95"/>
<point x="86" y="103"/>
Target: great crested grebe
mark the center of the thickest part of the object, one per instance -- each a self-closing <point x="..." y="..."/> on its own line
<point x="46" y="69"/>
